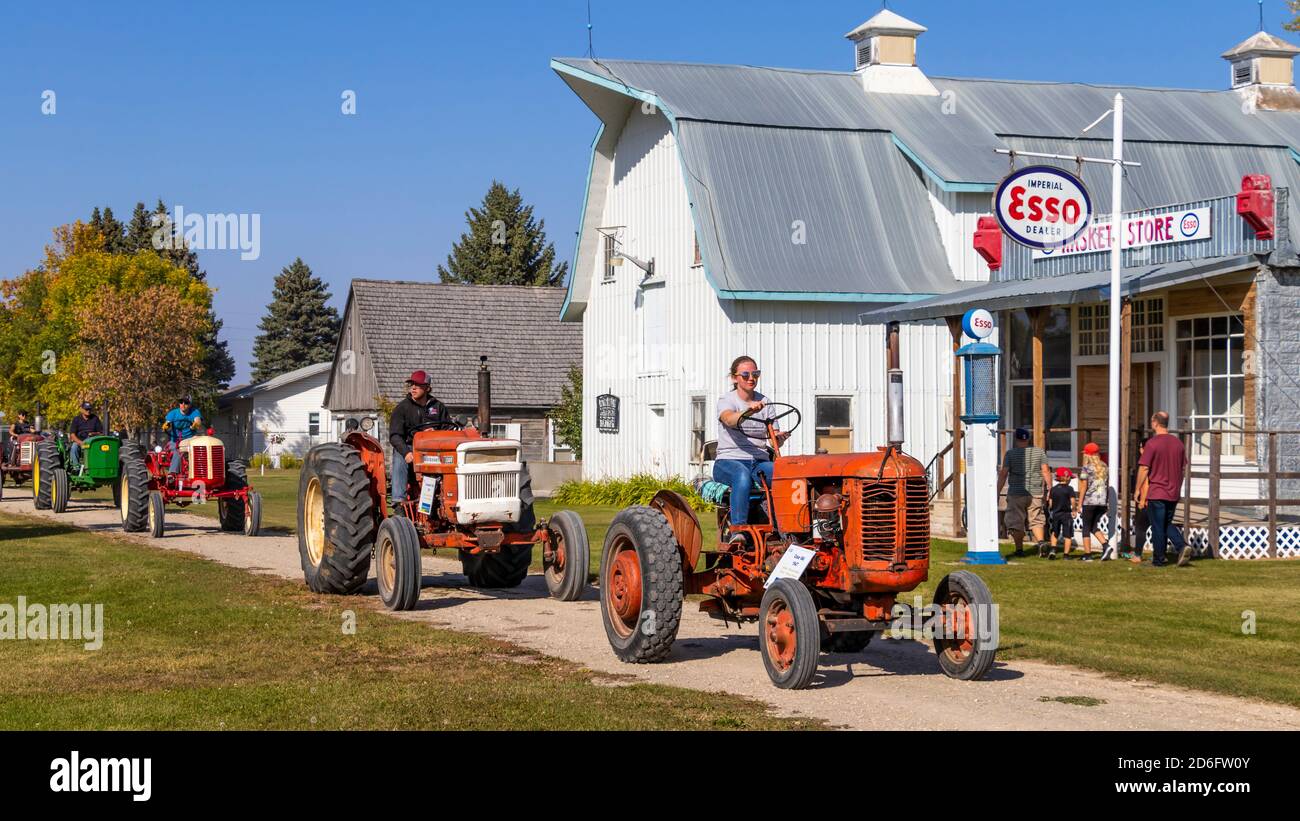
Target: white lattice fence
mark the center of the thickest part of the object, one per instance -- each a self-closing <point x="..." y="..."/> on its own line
<point x="1235" y="541"/>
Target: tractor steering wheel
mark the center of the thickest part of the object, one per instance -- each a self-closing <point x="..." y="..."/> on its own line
<point x="762" y="437"/>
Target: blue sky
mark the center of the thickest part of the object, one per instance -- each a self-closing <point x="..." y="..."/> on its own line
<point x="235" y="107"/>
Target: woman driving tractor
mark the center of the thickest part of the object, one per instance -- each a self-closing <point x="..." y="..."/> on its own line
<point x="742" y="460"/>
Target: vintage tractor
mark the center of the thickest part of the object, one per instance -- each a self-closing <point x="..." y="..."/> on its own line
<point x="828" y="548"/>
<point x="16" y="465"/>
<point x="147" y="486"/>
<point x="54" y="478"/>
<point x="471" y="493"/>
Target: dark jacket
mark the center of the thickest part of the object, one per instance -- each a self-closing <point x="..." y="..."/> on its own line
<point x="408" y="416"/>
<point x="84" y="428"/>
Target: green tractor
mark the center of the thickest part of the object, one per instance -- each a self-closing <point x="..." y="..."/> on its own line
<point x="53" y="481"/>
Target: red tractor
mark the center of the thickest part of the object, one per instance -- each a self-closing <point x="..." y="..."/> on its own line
<point x="147" y="486"/>
<point x="830" y="545"/>
<point x="18" y="458"/>
<point x="471" y="493"/>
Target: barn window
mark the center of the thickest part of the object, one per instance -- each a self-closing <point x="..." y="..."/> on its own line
<point x="698" y="417"/>
<point x="834" y="424"/>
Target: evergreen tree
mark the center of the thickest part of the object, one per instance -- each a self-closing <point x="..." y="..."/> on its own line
<point x="504" y="245"/>
<point x="113" y="232"/>
<point x="567" y="415"/>
<point x="299" y="328"/>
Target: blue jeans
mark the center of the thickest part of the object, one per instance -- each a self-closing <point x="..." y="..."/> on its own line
<point x="741" y="475"/>
<point x="400" y="471"/>
<point x="1161" y="514"/>
<point x="176" y="458"/>
<point x="75" y="453"/>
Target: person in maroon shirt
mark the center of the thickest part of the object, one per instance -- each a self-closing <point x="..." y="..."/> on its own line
<point x="1159" y="484"/>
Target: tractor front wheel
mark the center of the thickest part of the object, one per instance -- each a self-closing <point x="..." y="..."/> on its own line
<point x="566" y="572"/>
<point x="854" y="642"/>
<point x="968" y="639"/>
<point x="133" y="488"/>
<point x="641" y="585"/>
<point x="397" y="563"/>
<point x="156" y="515"/>
<point x="58" y="490"/>
<point x="253" y="514"/>
<point x="230" y="512"/>
<point x="44" y="461"/>
<point x="789" y="634"/>
<point x="336" y="519"/>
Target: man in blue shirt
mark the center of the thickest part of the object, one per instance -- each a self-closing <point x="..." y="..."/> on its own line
<point x="182" y="422"/>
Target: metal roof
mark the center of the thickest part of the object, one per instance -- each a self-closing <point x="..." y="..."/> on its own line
<point x="1065" y="289"/>
<point x="245" y="391"/>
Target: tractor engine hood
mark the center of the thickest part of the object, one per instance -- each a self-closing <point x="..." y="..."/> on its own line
<point x="897" y="465"/>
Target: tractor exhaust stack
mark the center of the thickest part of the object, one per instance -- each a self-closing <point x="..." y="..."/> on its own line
<point x="484" y="397"/>
<point x="894" y="393"/>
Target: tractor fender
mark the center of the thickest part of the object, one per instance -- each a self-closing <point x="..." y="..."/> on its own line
<point x="372" y="458"/>
<point x="685" y="524"/>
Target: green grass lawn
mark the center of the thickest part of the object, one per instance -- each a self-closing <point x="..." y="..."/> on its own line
<point x="192" y="644"/>
<point x="1174" y="625"/>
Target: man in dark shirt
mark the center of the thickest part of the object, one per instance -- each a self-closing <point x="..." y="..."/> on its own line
<point x="1159" y="487"/>
<point x="418" y="411"/>
<point x="83" y="427"/>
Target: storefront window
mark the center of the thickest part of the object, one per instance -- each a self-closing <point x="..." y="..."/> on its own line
<point x="1211" y="381"/>
<point x="1056" y="412"/>
<point x="1056" y="345"/>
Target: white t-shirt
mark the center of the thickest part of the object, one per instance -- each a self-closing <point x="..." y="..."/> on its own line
<point x="732" y="444"/>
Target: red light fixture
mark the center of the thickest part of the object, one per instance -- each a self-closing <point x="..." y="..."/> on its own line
<point x="1255" y="204"/>
<point x="988" y="242"/>
<point x="209" y="431"/>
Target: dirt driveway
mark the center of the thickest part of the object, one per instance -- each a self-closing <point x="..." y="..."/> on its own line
<point x="894" y="685"/>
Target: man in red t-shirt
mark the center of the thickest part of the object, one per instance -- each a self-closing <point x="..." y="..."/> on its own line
<point x="1159" y="487"/>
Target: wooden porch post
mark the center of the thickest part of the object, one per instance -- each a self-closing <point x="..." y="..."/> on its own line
<point x="1272" y="495"/>
<point x="954" y="328"/>
<point x="1216" y="456"/>
<point x="1119" y="450"/>
<point x="1038" y="320"/>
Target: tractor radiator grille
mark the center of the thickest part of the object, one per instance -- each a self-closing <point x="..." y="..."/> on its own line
<point x="25" y="453"/>
<point x="881" y="517"/>
<point x="503" y="485"/>
<point x="208" y="464"/>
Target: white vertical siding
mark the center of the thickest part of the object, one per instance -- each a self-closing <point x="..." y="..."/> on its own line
<point x="957" y="215"/>
<point x="805" y="349"/>
<point x="286" y="410"/>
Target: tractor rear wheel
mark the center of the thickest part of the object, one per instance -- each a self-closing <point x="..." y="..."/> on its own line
<point x="133" y="488"/>
<point x="566" y="574"/>
<point x="230" y="512"/>
<point x="336" y="519"/>
<point x="44" y="460"/>
<point x="156" y="514"/>
<point x="789" y="634"/>
<point x="971" y="624"/>
<point x="641" y="585"/>
<point x="502" y="570"/>
<point x="397" y="563"/>
<point x="58" y="490"/>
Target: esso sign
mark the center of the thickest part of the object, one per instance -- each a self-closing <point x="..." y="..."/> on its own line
<point x="1042" y="206"/>
<point x="977" y="323"/>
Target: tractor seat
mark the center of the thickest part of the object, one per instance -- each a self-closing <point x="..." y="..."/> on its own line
<point x="719" y="493"/>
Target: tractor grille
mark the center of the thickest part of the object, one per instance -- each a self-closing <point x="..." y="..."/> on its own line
<point x="881" y="516"/>
<point x="208" y="464"/>
<point x="502" y="485"/>
<point x="25" y="453"/>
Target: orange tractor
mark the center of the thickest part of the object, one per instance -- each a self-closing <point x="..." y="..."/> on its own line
<point x="469" y="492"/>
<point x="830" y="545"/>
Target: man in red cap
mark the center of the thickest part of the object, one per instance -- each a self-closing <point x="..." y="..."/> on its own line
<point x="418" y="411"/>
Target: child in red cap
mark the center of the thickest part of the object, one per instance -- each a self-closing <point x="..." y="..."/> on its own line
<point x="1061" y="522"/>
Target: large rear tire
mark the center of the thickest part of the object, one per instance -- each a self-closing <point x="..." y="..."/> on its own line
<point x="967" y="602"/>
<point x="641" y="585"/>
<point x="336" y="519"/>
<point x="566" y="574"/>
<point x="58" y="490"/>
<point x="789" y="634"/>
<point x="133" y="484"/>
<point x="502" y="570"/>
<point x="397" y="563"/>
<point x="230" y="512"/>
<point x="854" y="642"/>
<point x="44" y="461"/>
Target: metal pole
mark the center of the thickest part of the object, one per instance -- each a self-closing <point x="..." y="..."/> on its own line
<point x="1116" y="260"/>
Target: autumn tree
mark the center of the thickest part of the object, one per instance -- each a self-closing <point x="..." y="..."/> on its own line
<point x="504" y="245"/>
<point x="133" y="355"/>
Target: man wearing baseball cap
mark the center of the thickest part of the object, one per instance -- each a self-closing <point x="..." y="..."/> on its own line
<point x="84" y="425"/>
<point x="1027" y="476"/>
<point x="418" y="411"/>
<point x="181" y="422"/>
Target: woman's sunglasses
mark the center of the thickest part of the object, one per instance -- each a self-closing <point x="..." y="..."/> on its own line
<point x="749" y="374"/>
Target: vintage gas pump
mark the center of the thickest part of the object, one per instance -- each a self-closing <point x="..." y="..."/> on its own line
<point x="980" y="365"/>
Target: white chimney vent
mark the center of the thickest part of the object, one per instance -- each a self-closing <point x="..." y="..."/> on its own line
<point x="884" y="55"/>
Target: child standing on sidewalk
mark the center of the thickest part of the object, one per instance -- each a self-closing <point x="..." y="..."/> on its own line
<point x="1062" y="498"/>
